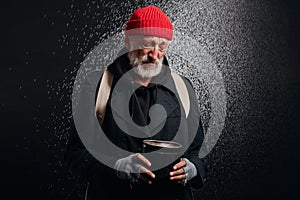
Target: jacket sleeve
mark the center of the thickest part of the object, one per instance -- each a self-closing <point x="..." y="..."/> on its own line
<point x="77" y="157"/>
<point x="195" y="124"/>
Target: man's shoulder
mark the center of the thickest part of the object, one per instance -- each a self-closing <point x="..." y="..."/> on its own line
<point x="183" y="77"/>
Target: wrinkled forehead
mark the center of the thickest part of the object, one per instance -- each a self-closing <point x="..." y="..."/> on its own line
<point x="148" y="38"/>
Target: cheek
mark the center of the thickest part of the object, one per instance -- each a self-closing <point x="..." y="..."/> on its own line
<point x="142" y="52"/>
<point x="160" y="55"/>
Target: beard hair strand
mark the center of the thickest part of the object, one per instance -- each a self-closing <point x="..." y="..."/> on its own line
<point x="144" y="70"/>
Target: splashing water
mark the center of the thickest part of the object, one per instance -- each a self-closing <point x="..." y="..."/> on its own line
<point x="216" y="42"/>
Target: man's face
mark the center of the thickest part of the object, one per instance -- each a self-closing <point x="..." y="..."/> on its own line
<point x="146" y="54"/>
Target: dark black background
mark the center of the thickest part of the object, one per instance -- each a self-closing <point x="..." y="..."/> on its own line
<point x="30" y="155"/>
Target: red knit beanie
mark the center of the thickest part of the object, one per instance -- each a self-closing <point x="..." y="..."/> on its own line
<point x="149" y="20"/>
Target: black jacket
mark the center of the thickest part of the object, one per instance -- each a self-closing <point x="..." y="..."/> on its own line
<point x="102" y="180"/>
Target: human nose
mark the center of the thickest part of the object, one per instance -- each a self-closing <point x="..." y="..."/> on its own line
<point x="154" y="52"/>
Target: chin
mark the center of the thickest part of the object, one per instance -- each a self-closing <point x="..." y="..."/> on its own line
<point x="149" y="65"/>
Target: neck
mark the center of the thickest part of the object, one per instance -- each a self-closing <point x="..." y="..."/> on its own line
<point x="143" y="81"/>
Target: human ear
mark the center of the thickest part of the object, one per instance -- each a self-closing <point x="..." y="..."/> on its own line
<point x="126" y="42"/>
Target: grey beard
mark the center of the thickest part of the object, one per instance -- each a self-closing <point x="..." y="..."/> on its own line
<point x="143" y="70"/>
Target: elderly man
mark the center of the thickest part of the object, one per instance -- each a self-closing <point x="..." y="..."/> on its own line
<point x="148" y="34"/>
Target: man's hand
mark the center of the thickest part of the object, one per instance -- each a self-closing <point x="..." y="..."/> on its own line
<point x="135" y="168"/>
<point x="178" y="174"/>
<point x="183" y="171"/>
